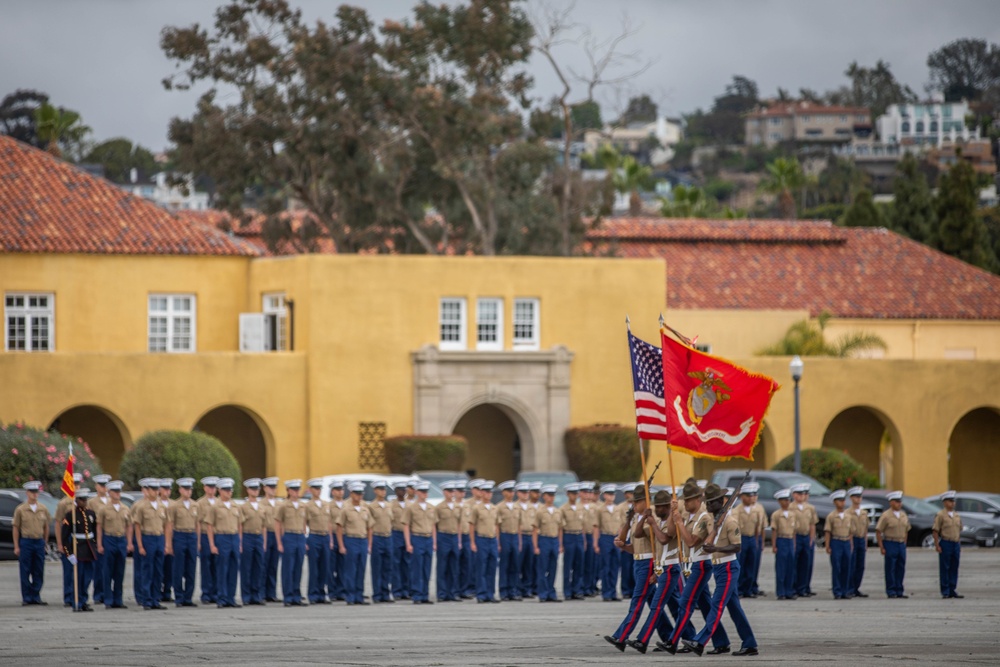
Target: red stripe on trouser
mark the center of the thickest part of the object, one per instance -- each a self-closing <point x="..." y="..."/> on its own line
<point x="638" y="608"/>
<point x="724" y="598"/>
<point x="687" y="609"/>
<point x="657" y="610"/>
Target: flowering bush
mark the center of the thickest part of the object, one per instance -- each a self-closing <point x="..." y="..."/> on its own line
<point x="30" y="453"/>
<point x="833" y="467"/>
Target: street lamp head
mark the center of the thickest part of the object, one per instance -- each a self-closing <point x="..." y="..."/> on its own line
<point x="796" y="368"/>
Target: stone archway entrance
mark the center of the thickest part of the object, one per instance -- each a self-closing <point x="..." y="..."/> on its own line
<point x="974" y="452"/>
<point x="243" y="432"/>
<point x="494" y="444"/>
<point x="870" y="438"/>
<point x="101" y="429"/>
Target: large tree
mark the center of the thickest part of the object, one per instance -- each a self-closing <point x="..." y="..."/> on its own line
<point x="862" y="212"/>
<point x="784" y="177"/>
<point x="725" y="124"/>
<point x="60" y="131"/>
<point x="912" y="213"/>
<point x="959" y="231"/>
<point x="873" y="88"/>
<point x="119" y="156"/>
<point x="640" y="109"/>
<point x="17" y="115"/>
<point x="965" y="69"/>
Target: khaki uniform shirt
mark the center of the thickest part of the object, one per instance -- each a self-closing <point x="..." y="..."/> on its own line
<point x="184" y="519"/>
<point x="782" y="523"/>
<point x="421" y="520"/>
<point x="205" y="506"/>
<point x="468" y="505"/>
<point x="253" y="518"/>
<point x="114" y="521"/>
<point x="948" y="527"/>
<point x="526" y="517"/>
<point x="860" y="519"/>
<point x="356" y="520"/>
<point x="319" y="517"/>
<point x="699" y="524"/>
<point x="97" y="502"/>
<point x="548" y="521"/>
<point x="749" y="519"/>
<point x="729" y="533"/>
<point x="573" y="518"/>
<point x="449" y="516"/>
<point x="151" y="520"/>
<point x="508" y="517"/>
<point x="397" y="509"/>
<point x="590" y="517"/>
<point x="32" y="524"/>
<point x="65" y="503"/>
<point x="225" y="520"/>
<point x="292" y="516"/>
<point x="840" y="525"/>
<point x="271" y="506"/>
<point x="640" y="540"/>
<point x="381" y="513"/>
<point x="804" y="518"/>
<point x="485" y="517"/>
<point x="893" y="528"/>
<point x="334" y="509"/>
<point x="609" y="521"/>
<point x="671" y="550"/>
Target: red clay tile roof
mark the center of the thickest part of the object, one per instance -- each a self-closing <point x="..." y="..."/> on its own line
<point x="49" y="206"/>
<point x="816" y="266"/>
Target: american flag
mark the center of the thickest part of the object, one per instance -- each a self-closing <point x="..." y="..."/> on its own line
<point x="647" y="382"/>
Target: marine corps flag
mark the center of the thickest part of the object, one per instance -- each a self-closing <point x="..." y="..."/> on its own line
<point x="714" y="407"/>
<point x="68" y="485"/>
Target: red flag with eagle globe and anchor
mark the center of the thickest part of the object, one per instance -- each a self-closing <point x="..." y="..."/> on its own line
<point x="715" y="409"/>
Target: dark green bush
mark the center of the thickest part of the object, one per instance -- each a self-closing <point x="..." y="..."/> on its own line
<point x="178" y="454"/>
<point x="406" y="453"/>
<point x="833" y="467"/>
<point x="608" y="452"/>
<point x="28" y="453"/>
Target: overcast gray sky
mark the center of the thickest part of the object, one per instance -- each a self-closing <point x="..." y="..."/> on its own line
<point x="102" y="57"/>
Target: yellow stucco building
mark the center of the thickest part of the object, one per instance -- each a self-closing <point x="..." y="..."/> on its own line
<point x="122" y="318"/>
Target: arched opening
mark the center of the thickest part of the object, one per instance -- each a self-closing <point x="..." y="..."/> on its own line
<point x="494" y="444"/>
<point x="763" y="455"/>
<point x="974" y="452"/>
<point x="871" y="439"/>
<point x="101" y="429"/>
<point x="243" y="432"/>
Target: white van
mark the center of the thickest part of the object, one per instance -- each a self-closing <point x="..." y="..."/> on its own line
<point x="434" y="495"/>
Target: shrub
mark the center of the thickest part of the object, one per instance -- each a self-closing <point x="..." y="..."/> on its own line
<point x="28" y="453"/>
<point x="406" y="453"/>
<point x="178" y="454"/>
<point x="604" y="452"/>
<point x="833" y="467"/>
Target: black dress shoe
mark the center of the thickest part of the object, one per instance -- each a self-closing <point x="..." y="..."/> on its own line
<point x="718" y="650"/>
<point x="637" y="645"/>
<point x="614" y="642"/>
<point x="668" y="647"/>
<point x="43" y="603"/>
<point x="695" y="647"/>
<point x="87" y="607"/>
<point x="684" y="649"/>
<point x="903" y="596"/>
<point x="957" y="596"/>
<point x="859" y="594"/>
<point x="746" y="651"/>
<point x="421" y="602"/>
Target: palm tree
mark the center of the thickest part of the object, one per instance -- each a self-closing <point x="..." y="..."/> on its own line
<point x="53" y="125"/>
<point x="784" y="176"/>
<point x="688" y="202"/>
<point x="629" y="179"/>
<point x="805" y="338"/>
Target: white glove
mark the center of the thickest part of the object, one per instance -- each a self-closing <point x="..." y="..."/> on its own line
<point x="72" y="559"/>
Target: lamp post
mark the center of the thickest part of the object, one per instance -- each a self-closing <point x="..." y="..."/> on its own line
<point x="796" y="369"/>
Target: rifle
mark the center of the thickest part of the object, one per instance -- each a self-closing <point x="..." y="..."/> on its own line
<point x="726" y="507"/>
<point x="649" y="483"/>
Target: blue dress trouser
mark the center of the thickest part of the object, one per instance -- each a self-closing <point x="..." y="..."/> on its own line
<point x="663" y="599"/>
<point x="31" y="564"/>
<point x="895" y="567"/>
<point x="227" y="568"/>
<point x="381" y="567"/>
<point x="749" y="556"/>
<point x="610" y="562"/>
<point x="294" y="546"/>
<point x="67" y="572"/>
<point x="167" y="589"/>
<point x="271" y="559"/>
<point x="546" y="563"/>
<point x="252" y="569"/>
<point x="628" y="573"/>
<point x="420" y="566"/>
<point x="99" y="567"/>
<point x="526" y="568"/>
<point x="724" y="597"/>
<point x="400" y="566"/>
<point x="572" y="565"/>
<point x="209" y="567"/>
<point x="755" y="589"/>
<point x="695" y="594"/>
<point x="803" y="555"/>
<point x="152" y="570"/>
<point x="185" y="564"/>
<point x="486" y="567"/>
<point x="641" y="595"/>
<point x="589" y="565"/>
<point x="335" y="574"/>
<point x="784" y="567"/>
<point x="858" y="563"/>
<point x="948" y="566"/>
<point x="447" y="567"/>
<point x="84" y="578"/>
<point x="115" y="557"/>
<point x="510" y="556"/>
<point x="353" y="572"/>
<point x="136" y="571"/>
<point x="840" y="566"/>
<point x="466" y="569"/>
<point x="318" y="555"/>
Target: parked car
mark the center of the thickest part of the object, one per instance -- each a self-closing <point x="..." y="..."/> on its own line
<point x="9" y="500"/>
<point x="921" y="515"/>
<point x="975" y="505"/>
<point x="439" y="477"/>
<point x="434" y="496"/>
<point x="558" y="477"/>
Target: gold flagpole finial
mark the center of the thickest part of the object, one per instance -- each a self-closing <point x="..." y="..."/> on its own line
<point x="628" y="323"/>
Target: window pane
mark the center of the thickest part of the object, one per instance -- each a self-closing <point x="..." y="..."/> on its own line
<point x="182" y="303"/>
<point x="158" y="303"/>
<point x="182" y="326"/>
<point x="487" y="321"/>
<point x="157" y="343"/>
<point x="451" y="321"/>
<point x="15" y="333"/>
<point x="524" y="321"/>
<point x="182" y="343"/>
<point x="39" y="333"/>
<point x="157" y="326"/>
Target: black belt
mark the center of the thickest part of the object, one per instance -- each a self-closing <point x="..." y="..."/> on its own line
<point x="219" y="532"/>
<point x="186" y="532"/>
<point x="886" y="539"/>
<point x="250" y="532"/>
<point x="842" y="539"/>
<point x="446" y="532"/>
<point x="412" y="534"/>
<point x="504" y="532"/>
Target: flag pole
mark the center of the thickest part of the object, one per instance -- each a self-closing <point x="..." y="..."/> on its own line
<point x="76" y="578"/>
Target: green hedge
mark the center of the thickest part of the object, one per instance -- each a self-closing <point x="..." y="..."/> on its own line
<point x="406" y="453"/>
<point x="833" y="467"/>
<point x="178" y="454"/>
<point x="28" y="453"/>
<point x="604" y="452"/>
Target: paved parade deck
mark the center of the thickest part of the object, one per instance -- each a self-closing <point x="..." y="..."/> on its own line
<point x="924" y="630"/>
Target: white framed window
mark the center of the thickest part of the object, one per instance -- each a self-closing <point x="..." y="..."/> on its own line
<point x="29" y="320"/>
<point x="172" y="323"/>
<point x="275" y="322"/>
<point x="451" y="319"/>
<point x="489" y="324"/>
<point x="526" y="324"/>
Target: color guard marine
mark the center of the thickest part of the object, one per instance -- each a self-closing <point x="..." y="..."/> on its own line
<point x="644" y="564"/>
<point x="79" y="539"/>
<point x="64" y="505"/>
